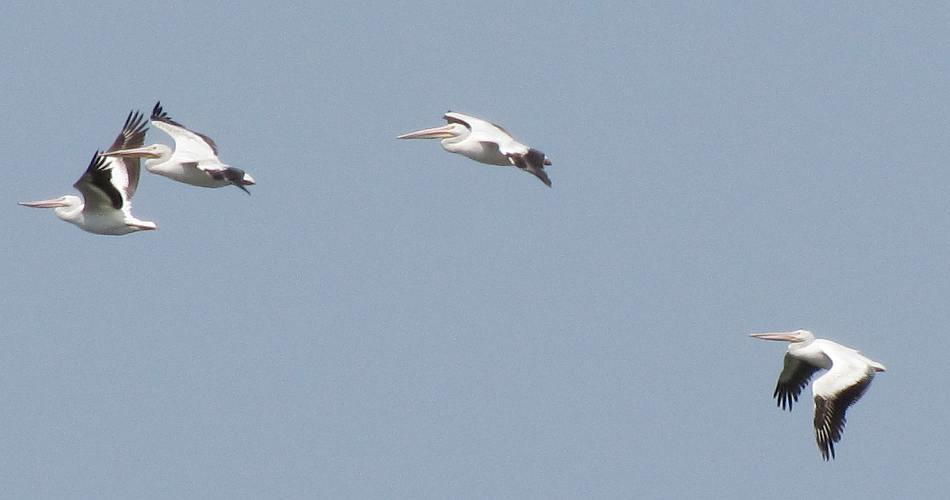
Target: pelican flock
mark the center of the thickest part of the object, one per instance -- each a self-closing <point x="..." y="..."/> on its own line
<point x="107" y="188"/>
<point x="111" y="179"/>
<point x="193" y="161"/>
<point x="485" y="142"/>
<point x="849" y="375"/>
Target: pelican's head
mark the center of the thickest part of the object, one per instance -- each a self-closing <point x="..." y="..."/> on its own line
<point x="152" y="152"/>
<point x="446" y="132"/>
<point x="64" y="207"/>
<point x="794" y="337"/>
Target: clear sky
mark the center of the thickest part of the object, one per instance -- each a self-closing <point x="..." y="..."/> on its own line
<point x="382" y="319"/>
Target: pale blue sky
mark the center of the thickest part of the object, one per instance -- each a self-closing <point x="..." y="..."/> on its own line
<point x="382" y="319"/>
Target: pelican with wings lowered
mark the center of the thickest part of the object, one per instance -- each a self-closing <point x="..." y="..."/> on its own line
<point x="107" y="188"/>
<point x="849" y="375"/>
<point x="193" y="161"/>
<point x="485" y="142"/>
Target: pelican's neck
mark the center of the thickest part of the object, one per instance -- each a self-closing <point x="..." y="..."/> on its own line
<point x="803" y="345"/>
<point x="154" y="164"/>
<point x="451" y="143"/>
<point x="810" y="351"/>
<point x="71" y="213"/>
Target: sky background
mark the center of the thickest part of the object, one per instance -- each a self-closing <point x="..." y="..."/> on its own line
<point x="382" y="319"/>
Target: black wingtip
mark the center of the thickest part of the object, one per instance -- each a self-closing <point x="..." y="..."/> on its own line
<point x="828" y="453"/>
<point x="157" y="112"/>
<point x="97" y="161"/>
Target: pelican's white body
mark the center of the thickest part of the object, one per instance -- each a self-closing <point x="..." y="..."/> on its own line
<point x="99" y="219"/>
<point x="194" y="160"/>
<point x="485" y="143"/>
<point x="844" y="364"/>
<point x="191" y="161"/>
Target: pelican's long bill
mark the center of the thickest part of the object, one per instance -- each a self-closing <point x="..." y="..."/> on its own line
<point x="442" y="132"/>
<point x="143" y="152"/>
<point x="51" y="203"/>
<point x="780" y="336"/>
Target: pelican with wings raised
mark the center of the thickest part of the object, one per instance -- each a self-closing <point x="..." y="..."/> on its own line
<point x="193" y="161"/>
<point x="107" y="188"/>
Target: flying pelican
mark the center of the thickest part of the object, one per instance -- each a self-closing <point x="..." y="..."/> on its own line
<point x="107" y="188"/>
<point x="849" y="375"/>
<point x="194" y="160"/>
<point x="484" y="142"/>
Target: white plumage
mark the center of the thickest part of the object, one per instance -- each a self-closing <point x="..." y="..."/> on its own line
<point x="485" y="142"/>
<point x="849" y="375"/>
<point x="107" y="188"/>
<point x="193" y="161"/>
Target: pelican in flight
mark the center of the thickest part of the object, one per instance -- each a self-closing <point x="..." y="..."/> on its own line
<point x="194" y="160"/>
<point x="849" y="375"/>
<point x="485" y="142"/>
<point x="107" y="188"/>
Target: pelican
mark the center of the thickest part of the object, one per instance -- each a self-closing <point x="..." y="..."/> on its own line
<point x="849" y="375"/>
<point x="485" y="142"/>
<point x="194" y="160"/>
<point x="107" y="188"/>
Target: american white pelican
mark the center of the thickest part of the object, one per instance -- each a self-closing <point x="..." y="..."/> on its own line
<point x="849" y="375"/>
<point x="194" y="160"/>
<point x="107" y="188"/>
<point x="485" y="142"/>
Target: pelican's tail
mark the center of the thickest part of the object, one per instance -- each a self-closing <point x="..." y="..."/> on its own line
<point x="239" y="178"/>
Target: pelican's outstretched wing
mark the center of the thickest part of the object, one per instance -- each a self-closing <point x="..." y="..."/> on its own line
<point x="98" y="187"/>
<point x="793" y="379"/>
<point x="131" y="136"/>
<point x="842" y="386"/>
<point x="189" y="145"/>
